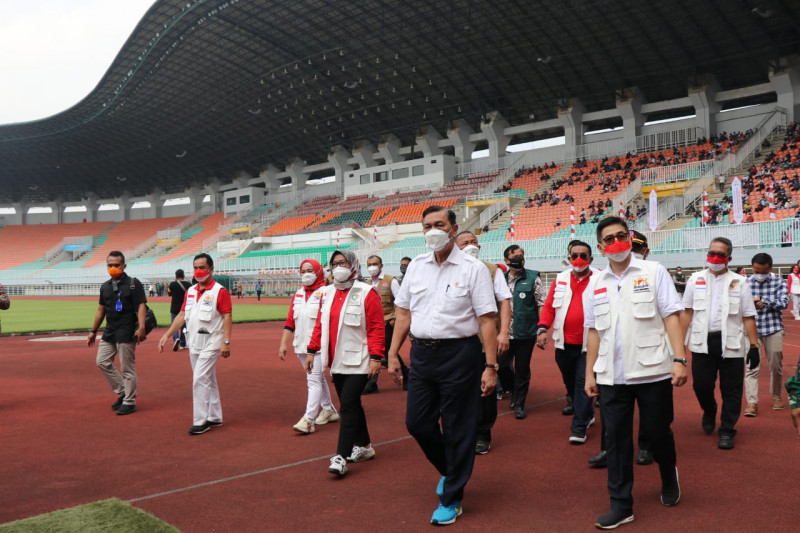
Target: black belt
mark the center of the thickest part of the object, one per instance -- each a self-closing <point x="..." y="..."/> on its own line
<point x="715" y="334"/>
<point x="433" y="344"/>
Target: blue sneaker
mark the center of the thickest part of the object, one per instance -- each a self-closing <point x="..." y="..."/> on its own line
<point x="446" y="514"/>
<point x="440" y="487"/>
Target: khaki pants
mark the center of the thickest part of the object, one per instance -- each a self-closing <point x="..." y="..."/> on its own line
<point x="773" y="349"/>
<point x="120" y="383"/>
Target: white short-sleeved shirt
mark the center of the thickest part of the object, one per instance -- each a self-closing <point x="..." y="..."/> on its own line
<point x="667" y="301"/>
<point x="501" y="290"/>
<point x="445" y="301"/>
<point x="748" y="307"/>
<point x="395" y="286"/>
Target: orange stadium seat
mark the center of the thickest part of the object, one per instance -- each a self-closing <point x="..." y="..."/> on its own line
<point x="128" y="234"/>
<point x="20" y="244"/>
<point x="194" y="244"/>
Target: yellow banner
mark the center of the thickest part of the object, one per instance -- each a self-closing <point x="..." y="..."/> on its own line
<point x="666" y="189"/>
<point x="486" y="201"/>
<point x="169" y="242"/>
<point x="239" y="229"/>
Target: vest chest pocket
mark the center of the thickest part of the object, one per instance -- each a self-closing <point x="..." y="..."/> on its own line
<point x="205" y="312"/>
<point x="643" y="304"/>
<point x="602" y="316"/>
<point x="558" y="299"/>
<point x="733" y="304"/>
<point x="312" y="308"/>
<point x="699" y="301"/>
<point x="352" y="317"/>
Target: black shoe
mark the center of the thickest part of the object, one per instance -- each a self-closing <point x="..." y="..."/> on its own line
<point x="512" y="404"/>
<point x="116" y="405"/>
<point x="519" y="413"/>
<point x="725" y="442"/>
<point x="671" y="490"/>
<point x="212" y="424"/>
<point x="600" y="460"/>
<point x="176" y="344"/>
<point x="198" y="430"/>
<point x="708" y="424"/>
<point x="482" y="447"/>
<point x="126" y="409"/>
<point x="568" y="410"/>
<point x="613" y="519"/>
<point x="645" y="457"/>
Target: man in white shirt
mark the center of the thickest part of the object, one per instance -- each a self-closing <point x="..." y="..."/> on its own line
<point x="633" y="331"/>
<point x="445" y="300"/>
<point x="719" y="314"/>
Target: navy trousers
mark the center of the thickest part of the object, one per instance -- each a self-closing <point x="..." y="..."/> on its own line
<point x="444" y="384"/>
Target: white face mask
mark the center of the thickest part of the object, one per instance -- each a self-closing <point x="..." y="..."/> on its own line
<point x="436" y="240"/>
<point x="373" y="270"/>
<point x="761" y="278"/>
<point x="580" y="269"/>
<point x="638" y="256"/>
<point x="714" y="267"/>
<point x="341" y="274"/>
<point x="472" y="250"/>
<point x="308" y="278"/>
<point x="618" y="257"/>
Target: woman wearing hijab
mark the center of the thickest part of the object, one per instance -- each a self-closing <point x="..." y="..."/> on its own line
<point x="349" y="337"/>
<point x="302" y="315"/>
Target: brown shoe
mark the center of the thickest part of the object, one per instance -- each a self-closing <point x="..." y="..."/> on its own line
<point x="778" y="404"/>
<point x="752" y="410"/>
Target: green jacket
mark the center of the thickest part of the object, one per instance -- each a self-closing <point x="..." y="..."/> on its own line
<point x="525" y="309"/>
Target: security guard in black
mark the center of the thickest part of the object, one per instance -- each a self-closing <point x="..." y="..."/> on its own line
<point x="121" y="299"/>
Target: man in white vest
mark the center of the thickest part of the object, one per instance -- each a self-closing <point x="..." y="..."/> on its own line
<point x="633" y="331"/>
<point x="207" y="315"/>
<point x="794" y="291"/>
<point x="719" y="317"/>
<point x="563" y="312"/>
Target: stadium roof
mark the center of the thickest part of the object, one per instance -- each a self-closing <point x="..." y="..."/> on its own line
<point x="205" y="88"/>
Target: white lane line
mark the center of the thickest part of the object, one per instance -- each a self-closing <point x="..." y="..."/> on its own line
<point x="284" y="466"/>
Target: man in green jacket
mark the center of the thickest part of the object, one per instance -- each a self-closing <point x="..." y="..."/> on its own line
<point x="527" y="296"/>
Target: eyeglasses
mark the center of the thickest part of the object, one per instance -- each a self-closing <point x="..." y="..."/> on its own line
<point x="340" y="264"/>
<point x="723" y="255"/>
<point x="622" y="236"/>
<point x="582" y="255"/>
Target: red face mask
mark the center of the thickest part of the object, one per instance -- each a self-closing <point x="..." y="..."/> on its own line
<point x="201" y="275"/>
<point x="617" y="247"/>
<point x="580" y="263"/>
<point x="714" y="260"/>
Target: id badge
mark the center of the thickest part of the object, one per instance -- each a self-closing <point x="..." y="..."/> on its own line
<point x="119" y="306"/>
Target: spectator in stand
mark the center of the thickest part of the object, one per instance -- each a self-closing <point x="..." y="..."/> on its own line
<point x="794" y="291"/>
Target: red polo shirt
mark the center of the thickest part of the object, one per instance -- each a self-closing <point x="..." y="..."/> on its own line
<point x="573" y="322"/>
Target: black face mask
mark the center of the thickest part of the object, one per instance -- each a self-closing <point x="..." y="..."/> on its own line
<point x="516" y="263"/>
<point x="403" y="269"/>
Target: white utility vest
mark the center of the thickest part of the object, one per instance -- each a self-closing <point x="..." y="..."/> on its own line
<point x="733" y="333"/>
<point x="203" y="315"/>
<point x="562" y="297"/>
<point x="352" y="353"/>
<point x="304" y="313"/>
<point x="795" y="283"/>
<point x="645" y="346"/>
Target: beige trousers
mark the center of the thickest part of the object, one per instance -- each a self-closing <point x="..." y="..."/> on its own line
<point x="773" y="348"/>
<point x="120" y="383"/>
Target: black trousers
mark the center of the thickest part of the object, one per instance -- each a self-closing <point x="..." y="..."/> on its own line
<point x="353" y="421"/>
<point x="705" y="367"/>
<point x="571" y="362"/>
<point x="445" y="385"/>
<point x="487" y="415"/>
<point x="656" y="414"/>
<point x="517" y="380"/>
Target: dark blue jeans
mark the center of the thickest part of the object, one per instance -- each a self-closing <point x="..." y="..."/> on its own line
<point x="572" y="363"/>
<point x="444" y="383"/>
<point x="178" y="334"/>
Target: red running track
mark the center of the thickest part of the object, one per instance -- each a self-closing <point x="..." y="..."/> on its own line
<point x="63" y="446"/>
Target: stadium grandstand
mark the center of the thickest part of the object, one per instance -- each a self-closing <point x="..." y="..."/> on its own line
<point x="265" y="132"/>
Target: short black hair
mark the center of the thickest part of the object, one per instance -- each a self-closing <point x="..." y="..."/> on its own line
<point x="451" y="215"/>
<point x="513" y="248"/>
<point x="406" y="259"/>
<point x="117" y="253"/>
<point x="728" y="244"/>
<point x="209" y="261"/>
<point x="610" y="221"/>
<point x="375" y="257"/>
<point x="179" y="273"/>
<point x="578" y="242"/>
<point x="762" y="259"/>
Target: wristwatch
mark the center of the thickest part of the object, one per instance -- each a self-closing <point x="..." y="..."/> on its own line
<point x="226" y="342"/>
<point x="684" y="361"/>
<point x="755" y="345"/>
<point x="494" y="366"/>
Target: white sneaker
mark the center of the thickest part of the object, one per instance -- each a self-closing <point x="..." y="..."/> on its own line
<point x="797" y="318"/>
<point x="338" y="466"/>
<point x="305" y="426"/>
<point x="590" y="423"/>
<point x="361" y="454"/>
<point x="326" y="416"/>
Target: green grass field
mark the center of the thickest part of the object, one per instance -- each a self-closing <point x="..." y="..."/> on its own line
<point x="31" y="316"/>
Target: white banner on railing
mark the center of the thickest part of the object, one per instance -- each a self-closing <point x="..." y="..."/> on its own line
<point x="736" y="195"/>
<point x="653" y="210"/>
